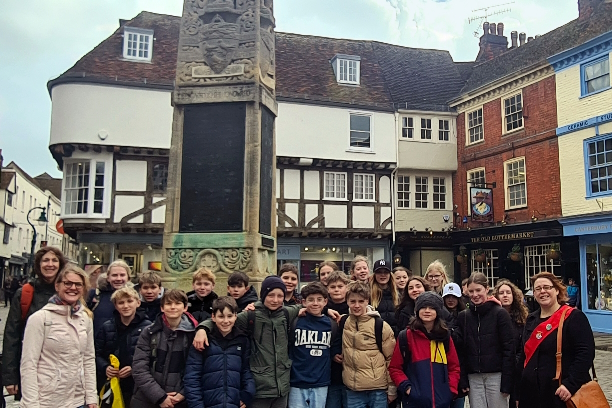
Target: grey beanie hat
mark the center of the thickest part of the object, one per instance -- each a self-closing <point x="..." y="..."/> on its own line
<point x="429" y="299"/>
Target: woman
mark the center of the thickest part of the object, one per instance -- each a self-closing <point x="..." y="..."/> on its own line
<point x="48" y="261"/>
<point x="453" y="303"/>
<point x="58" y="364"/>
<point x="485" y="336"/>
<point x="425" y="367"/>
<point x="325" y="268"/>
<point x="360" y="269"/>
<point x="405" y="311"/>
<point x="436" y="276"/>
<point x="537" y="387"/>
<point x="401" y="276"/>
<point x="99" y="300"/>
<point x="383" y="294"/>
<point x="290" y="275"/>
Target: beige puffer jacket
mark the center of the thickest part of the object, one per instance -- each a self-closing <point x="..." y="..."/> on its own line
<point x="364" y="367"/>
<point x="58" y="366"/>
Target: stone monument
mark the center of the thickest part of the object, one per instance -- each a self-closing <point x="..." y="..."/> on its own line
<point x="221" y="202"/>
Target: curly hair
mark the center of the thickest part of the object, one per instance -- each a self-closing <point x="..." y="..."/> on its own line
<point x="44" y="251"/>
<point x="518" y="310"/>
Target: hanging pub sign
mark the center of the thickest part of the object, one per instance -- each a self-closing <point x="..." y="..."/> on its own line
<point x="482" y="204"/>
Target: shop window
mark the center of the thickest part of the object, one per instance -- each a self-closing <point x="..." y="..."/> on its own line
<point x="311" y="256"/>
<point x="490" y="267"/>
<point x="599" y="276"/>
<point x="535" y="262"/>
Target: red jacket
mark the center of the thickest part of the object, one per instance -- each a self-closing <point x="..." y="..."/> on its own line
<point x="431" y="373"/>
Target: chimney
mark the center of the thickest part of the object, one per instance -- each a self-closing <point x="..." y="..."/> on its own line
<point x="529" y="39"/>
<point x="522" y="38"/>
<point x="493" y="42"/>
<point x="514" y="37"/>
<point x="586" y="8"/>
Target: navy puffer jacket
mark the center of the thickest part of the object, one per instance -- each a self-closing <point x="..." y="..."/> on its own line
<point x="220" y="376"/>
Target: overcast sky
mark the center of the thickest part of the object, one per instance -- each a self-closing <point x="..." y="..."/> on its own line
<point x="40" y="39"/>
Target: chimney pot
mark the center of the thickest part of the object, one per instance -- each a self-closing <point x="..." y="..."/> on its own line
<point x="514" y="37"/>
<point x="529" y="39"/>
<point x="485" y="27"/>
<point x="522" y="38"/>
<point x="492" y="28"/>
<point x="500" y="29"/>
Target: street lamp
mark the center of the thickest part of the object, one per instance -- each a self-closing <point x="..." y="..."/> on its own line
<point x="41" y="220"/>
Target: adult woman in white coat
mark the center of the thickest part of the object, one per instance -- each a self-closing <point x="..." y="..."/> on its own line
<point x="58" y="362"/>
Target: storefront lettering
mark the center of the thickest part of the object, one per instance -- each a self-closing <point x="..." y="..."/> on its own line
<point x="605" y="118"/>
<point x="578" y="125"/>
<point x="602" y="227"/>
<point x="504" y="237"/>
<point x="596" y="120"/>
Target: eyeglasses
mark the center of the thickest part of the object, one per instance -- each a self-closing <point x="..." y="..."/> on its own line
<point x="432" y="277"/>
<point x="69" y="284"/>
<point x="543" y="288"/>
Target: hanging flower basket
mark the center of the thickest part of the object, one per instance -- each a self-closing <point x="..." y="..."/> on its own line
<point x="553" y="255"/>
<point x="481" y="256"/>
<point x="460" y="259"/>
<point x="515" y="255"/>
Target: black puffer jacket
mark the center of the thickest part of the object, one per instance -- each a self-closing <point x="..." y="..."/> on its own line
<point x="116" y="338"/>
<point x="249" y="297"/>
<point x="201" y="308"/>
<point x="485" y="339"/>
<point x="99" y="302"/>
<point x="386" y="309"/>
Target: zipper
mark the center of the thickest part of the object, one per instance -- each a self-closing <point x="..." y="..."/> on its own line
<point x="433" y="391"/>
<point x="225" y="371"/>
<point x="275" y="355"/>
<point x="479" y="370"/>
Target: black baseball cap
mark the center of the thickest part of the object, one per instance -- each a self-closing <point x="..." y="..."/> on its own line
<point x="382" y="264"/>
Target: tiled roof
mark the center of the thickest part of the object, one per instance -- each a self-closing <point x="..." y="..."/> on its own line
<point x="538" y="50"/>
<point x="5" y="179"/>
<point x="46" y="182"/>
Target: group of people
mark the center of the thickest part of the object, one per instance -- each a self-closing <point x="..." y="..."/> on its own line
<point x="377" y="337"/>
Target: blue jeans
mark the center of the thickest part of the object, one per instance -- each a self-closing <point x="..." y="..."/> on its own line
<point x="307" y="397"/>
<point x="366" y="399"/>
<point x="336" y="397"/>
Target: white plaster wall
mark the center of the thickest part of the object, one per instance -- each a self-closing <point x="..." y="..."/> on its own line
<point x="335" y="216"/>
<point x="385" y="212"/>
<point x="158" y="215"/>
<point x="378" y="253"/>
<point x="363" y="217"/>
<point x="324" y="132"/>
<point x="125" y="205"/>
<point x="292" y="211"/>
<point x="292" y="184"/>
<point x="128" y="116"/>
<point x="385" y="190"/>
<point x="278" y="183"/>
<point x="131" y="175"/>
<point x="312" y="212"/>
<point x="311" y="185"/>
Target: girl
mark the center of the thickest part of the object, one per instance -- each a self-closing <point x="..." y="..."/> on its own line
<point x="290" y="275"/>
<point x="424" y="366"/>
<point x="511" y="299"/>
<point x="400" y="276"/>
<point x="405" y="311"/>
<point x="436" y="276"/>
<point x="325" y="268"/>
<point x="384" y="298"/>
<point x="360" y="269"/>
<point x="58" y="362"/>
<point x="485" y="336"/>
<point x="99" y="300"/>
<point x="453" y="303"/>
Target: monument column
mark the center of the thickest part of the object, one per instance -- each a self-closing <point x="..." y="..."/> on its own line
<point x="221" y="202"/>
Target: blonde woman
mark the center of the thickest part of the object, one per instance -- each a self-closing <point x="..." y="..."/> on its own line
<point x="99" y="300"/>
<point x="436" y="276"/>
<point x="58" y="361"/>
<point x="360" y="269"/>
<point x="383" y="293"/>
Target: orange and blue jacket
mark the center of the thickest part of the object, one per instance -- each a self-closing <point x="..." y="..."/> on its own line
<point x="431" y="372"/>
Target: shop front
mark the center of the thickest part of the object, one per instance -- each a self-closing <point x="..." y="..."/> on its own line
<point x="595" y="245"/>
<point x="417" y="249"/>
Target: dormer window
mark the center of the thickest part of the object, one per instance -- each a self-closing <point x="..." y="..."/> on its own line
<point x="346" y="68"/>
<point x="137" y="44"/>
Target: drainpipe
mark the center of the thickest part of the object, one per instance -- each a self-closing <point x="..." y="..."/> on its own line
<point x="393" y="173"/>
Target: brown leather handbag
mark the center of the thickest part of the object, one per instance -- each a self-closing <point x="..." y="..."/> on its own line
<point x="590" y="394"/>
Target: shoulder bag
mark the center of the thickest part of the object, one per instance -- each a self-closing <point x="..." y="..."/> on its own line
<point x="590" y="394"/>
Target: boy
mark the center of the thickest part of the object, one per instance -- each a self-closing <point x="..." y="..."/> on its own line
<point x="202" y="296"/>
<point x="268" y="330"/>
<point x="119" y="336"/>
<point x="573" y="293"/>
<point x="161" y="353"/>
<point x="238" y="288"/>
<point x="464" y="292"/>
<point x="151" y="291"/>
<point x="312" y="350"/>
<point x="220" y="375"/>
<point x="365" y="372"/>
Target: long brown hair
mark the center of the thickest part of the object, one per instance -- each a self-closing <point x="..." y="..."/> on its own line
<point x="377" y="291"/>
<point x="42" y="252"/>
<point x="562" y="298"/>
<point x="406" y="298"/>
<point x="439" y="330"/>
<point x="518" y="310"/>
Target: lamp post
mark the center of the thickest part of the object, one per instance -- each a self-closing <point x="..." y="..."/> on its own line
<point x="41" y="220"/>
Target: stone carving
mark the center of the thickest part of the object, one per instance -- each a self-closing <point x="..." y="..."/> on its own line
<point x="226" y="260"/>
<point x="218" y="43"/>
<point x="180" y="259"/>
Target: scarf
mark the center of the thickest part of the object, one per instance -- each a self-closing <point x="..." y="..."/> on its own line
<point x="56" y="300"/>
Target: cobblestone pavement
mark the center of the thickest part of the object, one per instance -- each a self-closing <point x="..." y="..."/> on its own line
<point x="602" y="365"/>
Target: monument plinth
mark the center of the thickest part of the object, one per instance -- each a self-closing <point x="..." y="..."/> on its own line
<point x="221" y="211"/>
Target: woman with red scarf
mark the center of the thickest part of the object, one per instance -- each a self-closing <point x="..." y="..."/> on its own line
<point x="537" y="388"/>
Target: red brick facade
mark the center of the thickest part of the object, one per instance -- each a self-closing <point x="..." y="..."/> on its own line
<point x="537" y="142"/>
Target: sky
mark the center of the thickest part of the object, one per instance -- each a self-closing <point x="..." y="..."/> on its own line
<point x="40" y="39"/>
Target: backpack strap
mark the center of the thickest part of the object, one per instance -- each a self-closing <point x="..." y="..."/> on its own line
<point x="402" y="340"/>
<point x="27" y="296"/>
<point x="378" y="332"/>
<point x="250" y="323"/>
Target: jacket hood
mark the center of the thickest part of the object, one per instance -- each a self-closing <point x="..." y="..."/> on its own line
<point x="63" y="310"/>
<point x="249" y="297"/>
<point x="371" y="312"/>
<point x="188" y="323"/>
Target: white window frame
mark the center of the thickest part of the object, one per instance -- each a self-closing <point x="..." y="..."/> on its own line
<point x="337" y="195"/>
<point x="404" y="202"/>
<point x="142" y="36"/>
<point x="469" y="184"/>
<point x="366" y="196"/>
<point x="490" y="267"/>
<point x="536" y="262"/>
<point x="444" y="134"/>
<point x="107" y="185"/>
<point x="407" y="130"/>
<point x="441" y="203"/>
<point x="348" y="71"/>
<point x="505" y="117"/>
<point x="426" y="132"/>
<point x="507" y="187"/>
<point x="467" y="126"/>
<point x="427" y="192"/>
<point x="361" y="148"/>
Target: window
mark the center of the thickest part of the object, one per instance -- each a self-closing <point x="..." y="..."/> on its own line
<point x="535" y="262"/>
<point x="513" y="112"/>
<point x="335" y="186"/>
<point x="408" y="127"/>
<point x="475" y="178"/>
<point x="439" y="193"/>
<point x="363" y="187"/>
<point x="7" y="234"/>
<point x="599" y="156"/>
<point x="403" y="191"/>
<point x="30" y="203"/>
<point x="99" y="188"/>
<point x="22" y="200"/>
<point x="426" y="129"/>
<point x="19" y="234"/>
<point x="347" y="69"/>
<point x="360" y="131"/>
<point x="489" y="267"/>
<point x="160" y="177"/>
<point x="599" y="285"/>
<point x="84" y="188"/>
<point x="9" y="198"/>
<point x="137" y="44"/>
<point x="420" y="196"/>
<point x="443" y="130"/>
<point x="516" y="187"/>
<point x="596" y="76"/>
<point x="16" y="195"/>
<point x="475" y="126"/>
